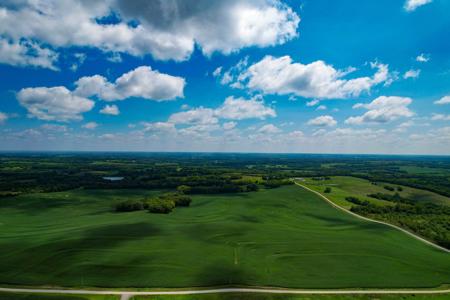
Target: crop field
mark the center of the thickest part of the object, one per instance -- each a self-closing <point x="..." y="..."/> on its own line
<point x="31" y="296"/>
<point x="285" y="237"/>
<point x="344" y="186"/>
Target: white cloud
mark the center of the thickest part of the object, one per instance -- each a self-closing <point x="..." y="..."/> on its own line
<point x="321" y="107"/>
<point x="411" y="74"/>
<point x="159" y="127"/>
<point x="90" y="125"/>
<point x="443" y="100"/>
<point x="53" y="104"/>
<point x="312" y="102"/>
<point x="79" y="60"/>
<point x="231" y="109"/>
<point x="281" y="76"/>
<point x="26" y="53"/>
<point x="199" y="115"/>
<point x="229" y="125"/>
<point x="54" y="127"/>
<point x="382" y="110"/>
<point x="323" y="121"/>
<point x="141" y="82"/>
<point x="269" y="129"/>
<point x="3" y="117"/>
<point x="217" y="72"/>
<point x="108" y="136"/>
<point x="423" y="58"/>
<point x="440" y="117"/>
<point x="239" y="109"/>
<point x="411" y="5"/>
<point x="110" y="110"/>
<point x="164" y="29"/>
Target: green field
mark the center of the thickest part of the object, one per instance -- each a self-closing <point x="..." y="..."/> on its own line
<point x="344" y="186"/>
<point x="286" y="237"/>
<point x="27" y="296"/>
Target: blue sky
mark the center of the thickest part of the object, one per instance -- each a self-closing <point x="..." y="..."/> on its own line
<point x="244" y="76"/>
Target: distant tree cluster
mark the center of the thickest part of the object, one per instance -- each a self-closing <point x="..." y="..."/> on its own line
<point x="162" y="204"/>
<point x="274" y="183"/>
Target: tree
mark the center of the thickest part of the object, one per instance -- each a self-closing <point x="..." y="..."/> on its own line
<point x="327" y="190"/>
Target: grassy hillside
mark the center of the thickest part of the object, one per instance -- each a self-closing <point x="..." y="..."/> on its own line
<point x="281" y="237"/>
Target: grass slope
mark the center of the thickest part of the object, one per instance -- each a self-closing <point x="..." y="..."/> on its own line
<point x="285" y="237"/>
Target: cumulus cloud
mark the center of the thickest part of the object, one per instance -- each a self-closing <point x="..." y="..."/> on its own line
<point x="3" y="117"/>
<point x="382" y="110"/>
<point x="411" y="74"/>
<point x="240" y="108"/>
<point x="27" y="53"/>
<point x="141" y="82"/>
<point x="412" y="5"/>
<point x="90" y="125"/>
<point x="158" y="127"/>
<point x="440" y="117"/>
<point x="199" y="115"/>
<point x="323" y="121"/>
<point x="229" y="125"/>
<point x="110" y="110"/>
<point x="231" y="109"/>
<point x="164" y="29"/>
<point x="54" y="104"/>
<point x="282" y="76"/>
<point x="61" y="104"/>
<point x="423" y="58"/>
<point x="321" y="107"/>
<point x="269" y="129"/>
<point x="443" y="100"/>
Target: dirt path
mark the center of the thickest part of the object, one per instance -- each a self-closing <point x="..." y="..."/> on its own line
<point x="127" y="294"/>
<point x="375" y="221"/>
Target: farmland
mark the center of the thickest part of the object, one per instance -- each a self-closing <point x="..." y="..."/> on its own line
<point x="285" y="237"/>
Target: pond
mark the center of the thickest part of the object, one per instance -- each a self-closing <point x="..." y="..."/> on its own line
<point x="113" y="178"/>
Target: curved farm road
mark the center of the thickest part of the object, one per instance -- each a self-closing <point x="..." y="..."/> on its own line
<point x="375" y="221"/>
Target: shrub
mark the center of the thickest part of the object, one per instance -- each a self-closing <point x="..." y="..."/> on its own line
<point x="327" y="190"/>
<point x="160" y="206"/>
<point x="129" y="205"/>
<point x="252" y="187"/>
<point x="389" y="188"/>
<point x="184" y="189"/>
<point x="178" y="199"/>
